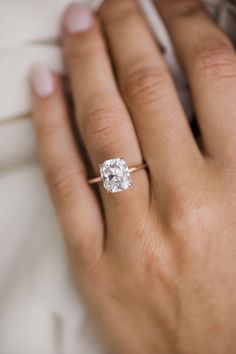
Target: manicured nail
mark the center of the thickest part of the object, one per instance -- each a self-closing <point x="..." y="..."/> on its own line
<point x="78" y="18"/>
<point x="42" y="81"/>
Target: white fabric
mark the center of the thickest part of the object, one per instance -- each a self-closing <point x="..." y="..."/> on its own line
<point x="40" y="312"/>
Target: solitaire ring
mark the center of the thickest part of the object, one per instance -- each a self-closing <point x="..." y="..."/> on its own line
<point x="115" y="175"/>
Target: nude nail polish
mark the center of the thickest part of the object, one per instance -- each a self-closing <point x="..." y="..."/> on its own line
<point x="42" y="81"/>
<point x="78" y="18"/>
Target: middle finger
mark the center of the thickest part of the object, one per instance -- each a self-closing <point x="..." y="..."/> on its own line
<point x="209" y="60"/>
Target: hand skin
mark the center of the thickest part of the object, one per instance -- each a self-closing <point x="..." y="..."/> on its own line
<point x="155" y="264"/>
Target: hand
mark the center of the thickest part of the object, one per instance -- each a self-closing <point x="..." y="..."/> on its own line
<point x="156" y="263"/>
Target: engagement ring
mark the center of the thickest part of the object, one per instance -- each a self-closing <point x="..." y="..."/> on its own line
<point x="115" y="175"/>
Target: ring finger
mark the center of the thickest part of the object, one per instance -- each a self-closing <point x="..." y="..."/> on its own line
<point x="103" y="120"/>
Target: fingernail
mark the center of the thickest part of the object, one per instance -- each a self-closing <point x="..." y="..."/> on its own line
<point x="78" y="18"/>
<point x="42" y="81"/>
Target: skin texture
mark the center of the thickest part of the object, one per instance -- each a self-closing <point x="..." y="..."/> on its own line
<point x="155" y="264"/>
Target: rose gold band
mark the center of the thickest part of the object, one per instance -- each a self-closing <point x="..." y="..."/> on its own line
<point x="131" y="169"/>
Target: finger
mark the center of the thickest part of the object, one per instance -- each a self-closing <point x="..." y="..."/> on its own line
<point x="64" y="169"/>
<point x="210" y="63"/>
<point x="148" y="89"/>
<point x="102" y="117"/>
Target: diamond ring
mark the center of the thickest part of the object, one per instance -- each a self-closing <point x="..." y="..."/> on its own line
<point x="115" y="175"/>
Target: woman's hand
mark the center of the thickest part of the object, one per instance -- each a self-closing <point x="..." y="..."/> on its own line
<point x="156" y="263"/>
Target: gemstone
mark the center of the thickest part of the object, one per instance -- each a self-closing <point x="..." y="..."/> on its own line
<point x="115" y="175"/>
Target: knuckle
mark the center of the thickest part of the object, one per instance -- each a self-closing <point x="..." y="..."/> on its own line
<point x="113" y="11"/>
<point x="146" y="84"/>
<point x="88" y="257"/>
<point x="215" y="62"/>
<point x="184" y="9"/>
<point x="187" y="210"/>
<point x="77" y="53"/>
<point x="83" y="46"/>
<point x="101" y="126"/>
<point x="61" y="181"/>
<point x="187" y="218"/>
<point x="47" y="128"/>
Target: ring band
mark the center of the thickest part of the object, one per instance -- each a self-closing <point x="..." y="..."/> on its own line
<point x="115" y="175"/>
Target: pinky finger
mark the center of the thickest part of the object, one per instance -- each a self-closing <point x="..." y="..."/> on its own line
<point x="74" y="200"/>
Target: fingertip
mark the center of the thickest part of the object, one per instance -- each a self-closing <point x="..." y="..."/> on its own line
<point x="42" y="81"/>
<point x="77" y="18"/>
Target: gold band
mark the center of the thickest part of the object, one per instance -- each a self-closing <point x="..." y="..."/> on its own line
<point x="132" y="169"/>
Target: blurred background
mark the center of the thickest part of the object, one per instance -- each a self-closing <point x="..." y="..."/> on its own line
<point x="39" y="310"/>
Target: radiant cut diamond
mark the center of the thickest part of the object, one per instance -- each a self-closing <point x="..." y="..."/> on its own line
<point x="115" y="175"/>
